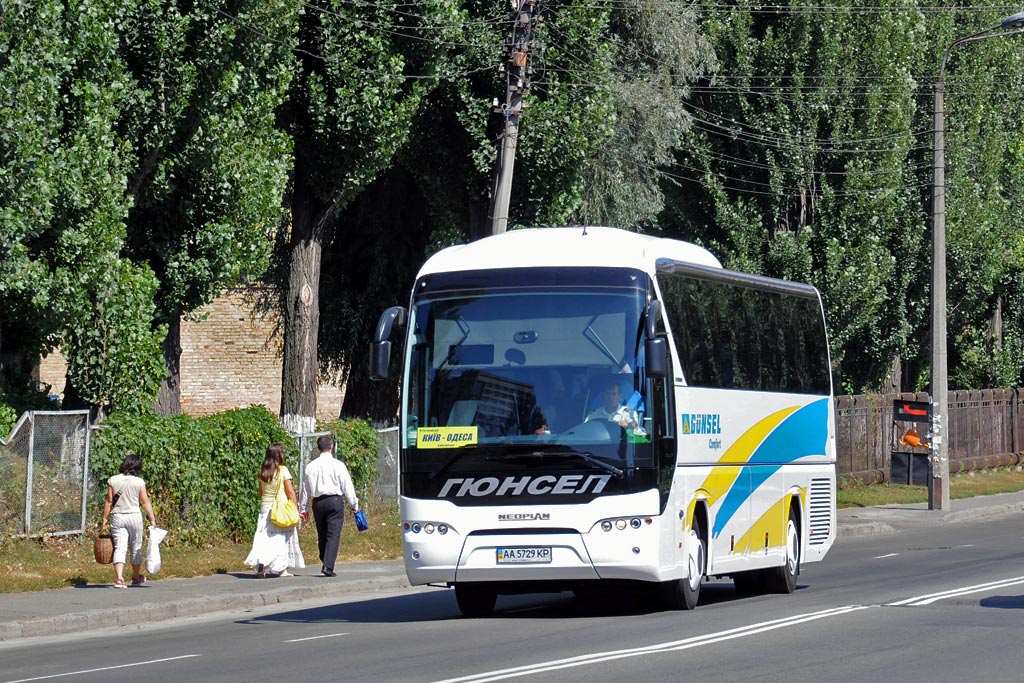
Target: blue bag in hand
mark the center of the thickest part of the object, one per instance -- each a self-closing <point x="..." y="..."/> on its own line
<point x="361" y="520"/>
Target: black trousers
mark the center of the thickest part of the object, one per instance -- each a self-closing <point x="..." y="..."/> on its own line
<point x="329" y="515"/>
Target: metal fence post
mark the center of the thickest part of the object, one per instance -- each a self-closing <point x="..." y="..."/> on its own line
<point x="29" y="476"/>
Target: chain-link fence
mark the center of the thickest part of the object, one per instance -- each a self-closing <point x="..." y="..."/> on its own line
<point x="44" y="471"/>
<point x="386" y="487"/>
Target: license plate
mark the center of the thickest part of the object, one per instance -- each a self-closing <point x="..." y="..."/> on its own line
<point x="524" y="555"/>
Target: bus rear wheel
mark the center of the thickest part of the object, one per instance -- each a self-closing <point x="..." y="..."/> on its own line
<point x="783" y="579"/>
<point x="475" y="599"/>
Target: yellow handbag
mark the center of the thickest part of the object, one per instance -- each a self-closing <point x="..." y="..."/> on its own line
<point x="284" y="512"/>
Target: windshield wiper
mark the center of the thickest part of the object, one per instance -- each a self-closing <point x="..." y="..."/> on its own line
<point x="583" y="455"/>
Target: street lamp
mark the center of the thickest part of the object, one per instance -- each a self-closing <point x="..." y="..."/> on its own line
<point x="938" y="473"/>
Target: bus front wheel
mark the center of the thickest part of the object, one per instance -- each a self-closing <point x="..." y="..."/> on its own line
<point x="685" y="593"/>
<point x="475" y="599"/>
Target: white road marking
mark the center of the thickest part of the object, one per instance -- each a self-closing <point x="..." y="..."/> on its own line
<point x="673" y="646"/>
<point x="964" y="590"/>
<point x="882" y="557"/>
<point x="103" y="668"/>
<point x="331" y="635"/>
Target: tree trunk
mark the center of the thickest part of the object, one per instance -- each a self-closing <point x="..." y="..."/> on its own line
<point x="893" y="382"/>
<point x="995" y="326"/>
<point x="168" y="401"/>
<point x="302" y="312"/>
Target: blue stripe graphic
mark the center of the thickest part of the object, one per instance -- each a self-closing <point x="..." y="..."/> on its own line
<point x="801" y="434"/>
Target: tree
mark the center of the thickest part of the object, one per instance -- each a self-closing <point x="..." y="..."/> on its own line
<point x="435" y="191"/>
<point x="210" y="165"/>
<point x="362" y="74"/>
<point x="658" y="52"/>
<point x="809" y="159"/>
<point x="63" y="203"/>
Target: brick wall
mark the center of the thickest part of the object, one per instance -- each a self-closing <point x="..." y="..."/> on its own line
<point x="230" y="358"/>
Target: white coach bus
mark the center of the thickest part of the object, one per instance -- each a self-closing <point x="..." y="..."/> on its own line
<point x="582" y="406"/>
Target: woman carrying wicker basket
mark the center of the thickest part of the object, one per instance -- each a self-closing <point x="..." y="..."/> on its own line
<point x="125" y="492"/>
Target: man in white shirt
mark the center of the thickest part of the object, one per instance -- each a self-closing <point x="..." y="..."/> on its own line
<point x="611" y="396"/>
<point x="324" y="482"/>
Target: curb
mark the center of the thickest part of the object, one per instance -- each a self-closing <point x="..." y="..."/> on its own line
<point x="148" y="613"/>
<point x="983" y="512"/>
<point x="865" y="529"/>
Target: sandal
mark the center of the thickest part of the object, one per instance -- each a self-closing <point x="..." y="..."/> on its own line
<point x="119" y="584"/>
<point x="138" y="580"/>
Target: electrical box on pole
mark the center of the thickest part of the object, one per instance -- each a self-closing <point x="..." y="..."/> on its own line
<point x="524" y="18"/>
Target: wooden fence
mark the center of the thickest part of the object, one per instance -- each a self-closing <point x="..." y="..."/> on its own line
<point x="985" y="430"/>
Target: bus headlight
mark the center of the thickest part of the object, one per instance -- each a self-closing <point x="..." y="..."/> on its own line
<point x="606" y="525"/>
<point x="416" y="527"/>
<point x="635" y="522"/>
<point x="620" y="524"/>
<point x="428" y="527"/>
<point x="442" y="529"/>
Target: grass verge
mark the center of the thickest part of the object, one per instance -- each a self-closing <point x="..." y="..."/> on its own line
<point x="967" y="485"/>
<point x="61" y="561"/>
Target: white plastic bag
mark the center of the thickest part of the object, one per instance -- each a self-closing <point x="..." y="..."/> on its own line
<point x="153" y="562"/>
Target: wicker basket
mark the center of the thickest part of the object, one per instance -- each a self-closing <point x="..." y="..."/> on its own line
<point x="103" y="549"/>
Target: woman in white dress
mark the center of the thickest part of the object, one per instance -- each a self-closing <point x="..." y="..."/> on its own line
<point x="274" y="549"/>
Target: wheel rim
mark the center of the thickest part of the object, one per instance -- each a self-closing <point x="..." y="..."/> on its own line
<point x="696" y="561"/>
<point x="792" y="548"/>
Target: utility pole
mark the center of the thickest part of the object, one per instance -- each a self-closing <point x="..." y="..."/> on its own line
<point x="938" y="473"/>
<point x="517" y="82"/>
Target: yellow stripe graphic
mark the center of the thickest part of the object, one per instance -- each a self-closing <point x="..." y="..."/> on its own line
<point x="721" y="479"/>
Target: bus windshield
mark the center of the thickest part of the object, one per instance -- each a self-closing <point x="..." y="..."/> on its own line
<point x="549" y="373"/>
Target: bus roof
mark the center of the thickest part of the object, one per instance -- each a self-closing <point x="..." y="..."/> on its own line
<point x="567" y="247"/>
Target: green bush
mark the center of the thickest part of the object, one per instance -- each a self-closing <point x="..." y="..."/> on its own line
<point x="201" y="473"/>
<point x="358" y="444"/>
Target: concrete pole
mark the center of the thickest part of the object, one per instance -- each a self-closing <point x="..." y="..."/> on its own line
<point x="938" y="473"/>
<point x="507" y="161"/>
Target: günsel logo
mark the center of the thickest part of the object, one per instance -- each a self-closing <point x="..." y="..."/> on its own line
<point x="545" y="484"/>
<point x="525" y="517"/>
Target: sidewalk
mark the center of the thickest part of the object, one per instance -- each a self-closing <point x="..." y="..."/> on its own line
<point x="71" y="610"/>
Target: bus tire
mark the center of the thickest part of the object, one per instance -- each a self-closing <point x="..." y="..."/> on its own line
<point x="685" y="593"/>
<point x="783" y="579"/>
<point x="475" y="599"/>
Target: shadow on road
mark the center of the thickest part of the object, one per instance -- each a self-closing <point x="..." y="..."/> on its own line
<point x="440" y="605"/>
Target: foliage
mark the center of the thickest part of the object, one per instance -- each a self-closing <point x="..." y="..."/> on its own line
<point x="8" y="418"/>
<point x="112" y="347"/>
<point x="209" y="164"/>
<point x="357" y="446"/>
<point x="201" y="473"/>
<point x="62" y="188"/>
<point x="811" y="159"/>
<point x="434" y="191"/>
<point x="658" y="52"/>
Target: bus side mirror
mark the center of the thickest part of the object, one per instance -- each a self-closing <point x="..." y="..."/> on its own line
<point x="380" y="349"/>
<point x="651" y="322"/>
<point x="655" y="347"/>
<point x="656" y="352"/>
<point x="380" y="359"/>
